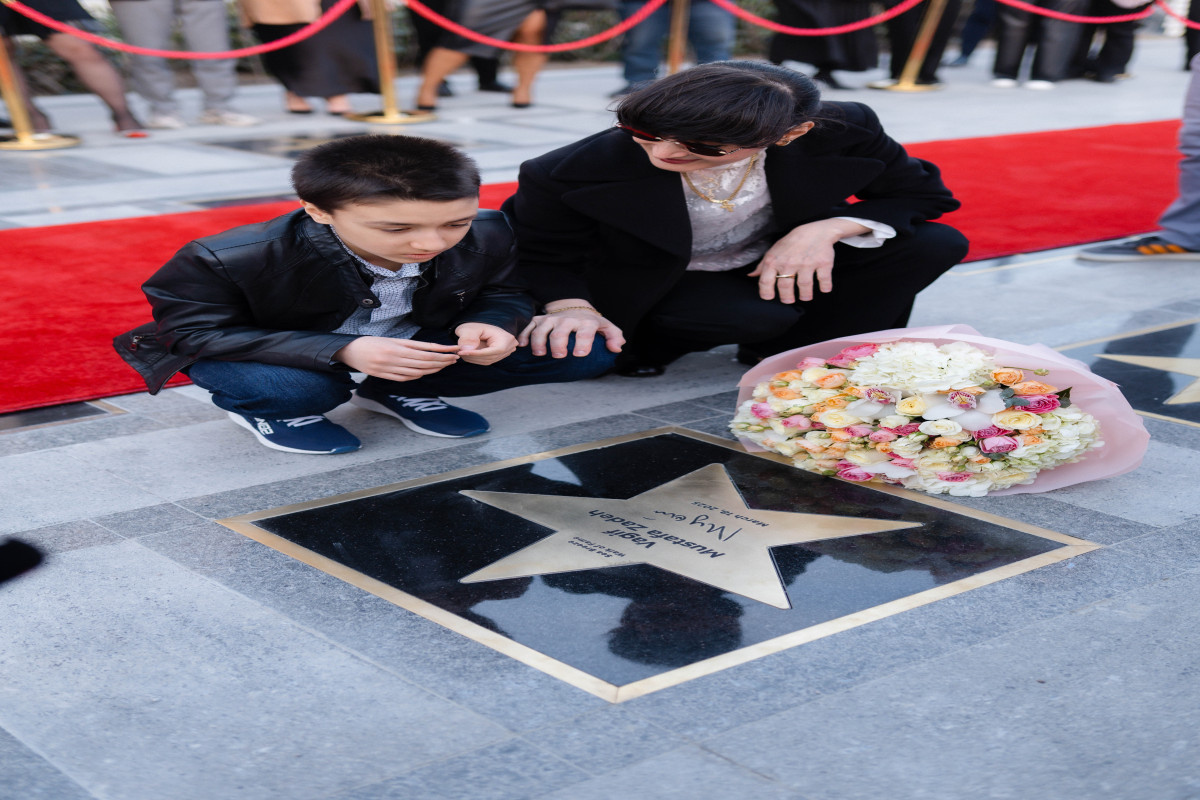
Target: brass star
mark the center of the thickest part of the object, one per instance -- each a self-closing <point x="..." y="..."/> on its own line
<point x="1181" y="366"/>
<point x="697" y="526"/>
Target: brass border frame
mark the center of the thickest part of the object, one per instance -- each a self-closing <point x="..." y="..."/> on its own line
<point x="108" y="408"/>
<point x="1166" y="326"/>
<point x="244" y="524"/>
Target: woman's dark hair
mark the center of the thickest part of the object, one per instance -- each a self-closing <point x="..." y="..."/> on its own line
<point x="746" y="103"/>
<point x="372" y="168"/>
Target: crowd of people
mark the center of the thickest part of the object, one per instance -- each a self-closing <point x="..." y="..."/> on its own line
<point x="340" y="59"/>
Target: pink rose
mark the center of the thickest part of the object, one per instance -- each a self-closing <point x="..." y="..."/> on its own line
<point x="852" y="472"/>
<point x="905" y="430"/>
<point x="989" y="431"/>
<point x="810" y="361"/>
<point x="854" y="352"/>
<point x="761" y="410"/>
<point x="954" y="477"/>
<point x="860" y="430"/>
<point x="999" y="444"/>
<point x="883" y="436"/>
<point x="903" y="462"/>
<point x="1040" y="403"/>
<point x="797" y="421"/>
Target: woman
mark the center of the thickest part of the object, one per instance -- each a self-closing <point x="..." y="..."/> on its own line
<point x="719" y="210"/>
<point x="89" y="64"/>
<point x="332" y="63"/>
<point x="520" y="21"/>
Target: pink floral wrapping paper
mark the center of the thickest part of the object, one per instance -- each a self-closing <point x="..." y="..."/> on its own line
<point x="1125" y="437"/>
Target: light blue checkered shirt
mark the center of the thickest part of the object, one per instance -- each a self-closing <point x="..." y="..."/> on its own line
<point x="395" y="292"/>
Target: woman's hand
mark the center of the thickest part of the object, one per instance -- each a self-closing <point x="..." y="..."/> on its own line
<point x="479" y="343"/>
<point x="396" y="359"/>
<point x="802" y="258"/>
<point x="552" y="330"/>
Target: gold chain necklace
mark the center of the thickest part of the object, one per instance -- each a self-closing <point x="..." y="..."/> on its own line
<point x="727" y="203"/>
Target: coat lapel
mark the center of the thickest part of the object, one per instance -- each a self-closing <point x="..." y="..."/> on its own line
<point x="614" y="183"/>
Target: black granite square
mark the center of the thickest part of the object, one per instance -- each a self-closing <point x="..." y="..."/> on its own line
<point x="50" y="415"/>
<point x="1158" y="370"/>
<point x="623" y="630"/>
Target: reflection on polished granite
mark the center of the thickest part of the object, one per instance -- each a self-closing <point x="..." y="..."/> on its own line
<point x="289" y="147"/>
<point x="608" y="629"/>
<point x="1158" y="370"/>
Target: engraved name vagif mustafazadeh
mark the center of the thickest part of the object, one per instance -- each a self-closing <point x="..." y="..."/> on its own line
<point x="697" y="526"/>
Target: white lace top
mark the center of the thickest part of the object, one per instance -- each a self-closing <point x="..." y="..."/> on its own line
<point x="721" y="239"/>
<point x="724" y="240"/>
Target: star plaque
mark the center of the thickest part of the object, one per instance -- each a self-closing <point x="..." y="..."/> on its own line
<point x="697" y="526"/>
<point x="630" y="565"/>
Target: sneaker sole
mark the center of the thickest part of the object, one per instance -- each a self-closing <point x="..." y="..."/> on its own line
<point x="380" y="408"/>
<point x="1139" y="257"/>
<point x="238" y="419"/>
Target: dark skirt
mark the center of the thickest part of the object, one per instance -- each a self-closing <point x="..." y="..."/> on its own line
<point x="855" y="51"/>
<point x="339" y="59"/>
<point x="16" y="24"/>
<point x="498" y="19"/>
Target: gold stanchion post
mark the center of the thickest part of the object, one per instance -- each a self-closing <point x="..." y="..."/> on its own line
<point x="385" y="54"/>
<point x="920" y="48"/>
<point x="677" y="40"/>
<point x="23" y="137"/>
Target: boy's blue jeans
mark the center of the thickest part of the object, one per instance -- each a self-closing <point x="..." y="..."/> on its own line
<point x="269" y="391"/>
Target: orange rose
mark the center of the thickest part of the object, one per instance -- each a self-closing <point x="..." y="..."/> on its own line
<point x="789" y="376"/>
<point x="831" y="381"/>
<point x="883" y="447"/>
<point x="837" y="402"/>
<point x="783" y="393"/>
<point x="836" y="450"/>
<point x="841" y="435"/>
<point x="854" y="391"/>
<point x="945" y="441"/>
<point x="1028" y="439"/>
<point x="1032" y="387"/>
<point x="1008" y="376"/>
<point x="980" y="460"/>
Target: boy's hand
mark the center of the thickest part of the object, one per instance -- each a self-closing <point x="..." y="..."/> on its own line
<point x="479" y="343"/>
<point x="553" y="330"/>
<point x="396" y="359"/>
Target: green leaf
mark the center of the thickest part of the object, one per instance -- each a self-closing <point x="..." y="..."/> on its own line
<point x="1064" y="397"/>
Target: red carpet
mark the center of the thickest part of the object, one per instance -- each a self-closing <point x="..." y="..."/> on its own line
<point x="68" y="289"/>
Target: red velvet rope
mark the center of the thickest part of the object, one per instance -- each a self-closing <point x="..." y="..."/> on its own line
<point x="762" y="22"/>
<point x="452" y="26"/>
<point x="1173" y="13"/>
<point x="1045" y="12"/>
<point x="305" y="32"/>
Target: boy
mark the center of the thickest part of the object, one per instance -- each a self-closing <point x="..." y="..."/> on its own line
<point x="390" y="269"/>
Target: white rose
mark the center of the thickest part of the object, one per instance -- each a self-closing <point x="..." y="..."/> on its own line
<point x="940" y="427"/>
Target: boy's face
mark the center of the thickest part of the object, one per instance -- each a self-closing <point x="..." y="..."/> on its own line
<point x="395" y="232"/>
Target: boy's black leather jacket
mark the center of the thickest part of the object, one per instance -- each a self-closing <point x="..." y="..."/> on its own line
<point x="273" y="291"/>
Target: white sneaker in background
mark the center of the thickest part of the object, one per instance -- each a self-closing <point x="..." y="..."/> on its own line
<point x="230" y="118"/>
<point x="1004" y="83"/>
<point x="1039" y="86"/>
<point x="165" y="122"/>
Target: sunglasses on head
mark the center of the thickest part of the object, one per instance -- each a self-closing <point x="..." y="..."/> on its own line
<point x="698" y="148"/>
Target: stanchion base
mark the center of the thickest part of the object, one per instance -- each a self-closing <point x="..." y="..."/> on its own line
<point x="393" y="117"/>
<point x="38" y="141"/>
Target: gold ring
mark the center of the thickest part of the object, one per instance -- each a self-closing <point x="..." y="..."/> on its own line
<point x="781" y="277"/>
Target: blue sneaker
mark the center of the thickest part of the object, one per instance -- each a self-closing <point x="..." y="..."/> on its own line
<point x="315" y="435"/>
<point x="427" y="415"/>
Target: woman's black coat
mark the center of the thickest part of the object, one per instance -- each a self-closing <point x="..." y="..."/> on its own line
<point x="596" y="220"/>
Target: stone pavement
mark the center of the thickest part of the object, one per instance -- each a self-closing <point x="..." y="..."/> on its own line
<point x="159" y="655"/>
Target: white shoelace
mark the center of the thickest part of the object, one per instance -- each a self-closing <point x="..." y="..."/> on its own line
<point x="420" y="403"/>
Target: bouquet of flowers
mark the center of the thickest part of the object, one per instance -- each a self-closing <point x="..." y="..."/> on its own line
<point x="960" y="415"/>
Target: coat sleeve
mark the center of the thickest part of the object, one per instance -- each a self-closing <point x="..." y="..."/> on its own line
<point x="908" y="191"/>
<point x="502" y="301"/>
<point x="201" y="312"/>
<point x="555" y="242"/>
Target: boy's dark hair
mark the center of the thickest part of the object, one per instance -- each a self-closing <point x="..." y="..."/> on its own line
<point x="745" y="103"/>
<point x="378" y="167"/>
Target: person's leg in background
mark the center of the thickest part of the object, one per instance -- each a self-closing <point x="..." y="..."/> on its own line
<point x="712" y="31"/>
<point x="641" y="48"/>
